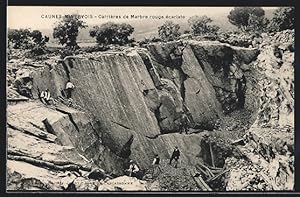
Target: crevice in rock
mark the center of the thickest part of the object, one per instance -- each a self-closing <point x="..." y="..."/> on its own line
<point x="151" y="70"/>
<point x="121" y="125"/>
<point x="17" y="99"/>
<point x="69" y="61"/>
<point x="50" y="67"/>
<point x="66" y="68"/>
<point x="157" y="135"/>
<point x="36" y="126"/>
<point x="240" y="92"/>
<point x="153" y="137"/>
<point x="70" y="117"/>
<point x="174" y="62"/>
<point x="182" y="87"/>
<point x="34" y="66"/>
<point x="232" y="100"/>
<point x="125" y="151"/>
<point x="48" y="126"/>
<point x="146" y="91"/>
<point x="40" y="135"/>
<point x="157" y="116"/>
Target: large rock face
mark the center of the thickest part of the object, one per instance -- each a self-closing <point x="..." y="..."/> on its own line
<point x="137" y="96"/>
<point x="179" y="64"/>
<point x="226" y="69"/>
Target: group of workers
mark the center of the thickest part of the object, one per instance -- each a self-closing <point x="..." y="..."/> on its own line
<point x="134" y="169"/>
<point x="46" y="98"/>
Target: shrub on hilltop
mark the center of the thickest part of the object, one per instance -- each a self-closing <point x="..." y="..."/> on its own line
<point x="67" y="30"/>
<point x="26" y="39"/>
<point x="169" y="31"/>
<point x="202" y="25"/>
<point x="248" y="18"/>
<point x="112" y="33"/>
<point x="284" y="18"/>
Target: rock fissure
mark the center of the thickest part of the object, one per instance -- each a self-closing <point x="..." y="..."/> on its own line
<point x="39" y="134"/>
<point x="182" y="87"/>
<point x="125" y="151"/>
<point x="157" y="115"/>
<point x="66" y="68"/>
<point x="48" y="126"/>
<point x="121" y="125"/>
<point x="70" y="117"/>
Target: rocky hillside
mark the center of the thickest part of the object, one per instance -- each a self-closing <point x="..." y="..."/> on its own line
<point x="269" y="149"/>
<point x="127" y="105"/>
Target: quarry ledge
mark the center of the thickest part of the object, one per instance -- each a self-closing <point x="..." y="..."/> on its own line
<point x="177" y="134"/>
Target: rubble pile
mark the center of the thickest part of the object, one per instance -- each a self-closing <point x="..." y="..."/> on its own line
<point x="176" y="179"/>
<point x="276" y="62"/>
<point x="236" y="38"/>
<point x="283" y="37"/>
<point x="268" y="163"/>
<point x="268" y="144"/>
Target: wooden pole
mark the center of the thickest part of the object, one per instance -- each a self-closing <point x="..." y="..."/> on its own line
<point x="217" y="176"/>
<point x="199" y="181"/>
<point x="211" y="155"/>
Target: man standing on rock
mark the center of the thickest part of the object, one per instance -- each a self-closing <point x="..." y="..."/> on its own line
<point x="175" y="155"/>
<point x="155" y="163"/>
<point x="69" y="88"/>
<point x="184" y="120"/>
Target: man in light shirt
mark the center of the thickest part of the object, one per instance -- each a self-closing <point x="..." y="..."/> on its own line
<point x="133" y="169"/>
<point x="155" y="163"/>
<point x="69" y="88"/>
<point x="45" y="97"/>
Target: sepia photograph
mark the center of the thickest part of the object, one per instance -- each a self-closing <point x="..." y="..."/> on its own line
<point x="150" y="99"/>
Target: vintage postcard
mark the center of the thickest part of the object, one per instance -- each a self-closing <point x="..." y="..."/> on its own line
<point x="168" y="99"/>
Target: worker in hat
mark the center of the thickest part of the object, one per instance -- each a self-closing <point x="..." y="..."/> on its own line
<point x="155" y="164"/>
<point x="175" y="156"/>
<point x="133" y="169"/>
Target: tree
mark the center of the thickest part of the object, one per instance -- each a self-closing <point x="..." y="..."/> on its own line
<point x="284" y="18"/>
<point x="20" y="38"/>
<point x="112" y="33"/>
<point x="257" y="23"/>
<point x="239" y="16"/>
<point x="67" y="31"/>
<point x="201" y="25"/>
<point x="38" y="38"/>
<point x="25" y="39"/>
<point x="169" y="31"/>
<point x="39" y="46"/>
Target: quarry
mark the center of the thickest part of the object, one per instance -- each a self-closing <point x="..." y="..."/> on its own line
<point x="126" y="105"/>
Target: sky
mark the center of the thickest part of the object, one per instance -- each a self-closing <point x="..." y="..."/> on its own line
<point x="45" y="17"/>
